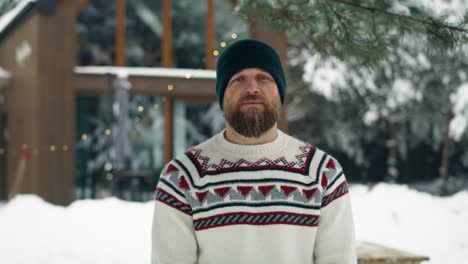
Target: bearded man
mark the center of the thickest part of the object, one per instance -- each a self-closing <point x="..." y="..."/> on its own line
<point x="252" y="194"/>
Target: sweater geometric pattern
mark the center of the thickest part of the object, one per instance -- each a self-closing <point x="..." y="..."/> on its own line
<point x="206" y="166"/>
<point x="287" y="189"/>
<point x="269" y="218"/>
<point x="171" y="201"/>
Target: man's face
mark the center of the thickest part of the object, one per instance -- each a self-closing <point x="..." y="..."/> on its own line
<point x="251" y="102"/>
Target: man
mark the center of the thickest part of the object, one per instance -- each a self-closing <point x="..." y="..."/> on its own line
<point x="252" y="194"/>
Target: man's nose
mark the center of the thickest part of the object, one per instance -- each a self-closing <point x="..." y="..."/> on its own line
<point x="252" y="86"/>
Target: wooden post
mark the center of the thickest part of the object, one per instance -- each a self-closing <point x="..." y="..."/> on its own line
<point x="168" y="101"/>
<point x="167" y="34"/>
<point x="41" y="102"/>
<point x="120" y="33"/>
<point x="210" y="34"/>
<point x="278" y="40"/>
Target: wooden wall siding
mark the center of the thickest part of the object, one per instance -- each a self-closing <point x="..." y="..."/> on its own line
<point x="3" y="160"/>
<point x="57" y="42"/>
<point x="22" y="93"/>
<point x="41" y="108"/>
<point x="3" y="106"/>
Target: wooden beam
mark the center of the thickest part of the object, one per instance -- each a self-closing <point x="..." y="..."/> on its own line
<point x="120" y="33"/>
<point x="210" y="34"/>
<point x="168" y="101"/>
<point x="96" y="85"/>
<point x="167" y="34"/>
<point x="150" y="81"/>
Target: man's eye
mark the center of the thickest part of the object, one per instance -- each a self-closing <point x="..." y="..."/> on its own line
<point x="237" y="79"/>
<point x="263" y="77"/>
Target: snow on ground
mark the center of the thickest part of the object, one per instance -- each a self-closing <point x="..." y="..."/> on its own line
<point x="402" y="218"/>
<point x="115" y="231"/>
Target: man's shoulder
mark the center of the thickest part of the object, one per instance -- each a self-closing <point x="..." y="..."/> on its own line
<point x="204" y="146"/>
<point x="293" y="142"/>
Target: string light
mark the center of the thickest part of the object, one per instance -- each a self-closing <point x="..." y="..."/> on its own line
<point x="188" y="76"/>
<point x="215" y="52"/>
<point x="84" y="137"/>
<point x="141" y="108"/>
<point x="234" y="36"/>
<point x="156" y="106"/>
<point x="170" y="87"/>
<point x="107" y="132"/>
<point x="223" y="44"/>
<point x="35" y="151"/>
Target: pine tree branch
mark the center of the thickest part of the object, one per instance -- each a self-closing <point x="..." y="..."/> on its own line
<point x="354" y="31"/>
<point x="427" y="22"/>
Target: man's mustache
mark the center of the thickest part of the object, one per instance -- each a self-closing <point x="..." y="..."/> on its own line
<point x="252" y="98"/>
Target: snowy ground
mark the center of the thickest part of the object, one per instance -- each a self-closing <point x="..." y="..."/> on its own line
<point x="115" y="231"/>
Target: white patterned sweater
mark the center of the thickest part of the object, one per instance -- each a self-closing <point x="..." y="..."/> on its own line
<point x="284" y="202"/>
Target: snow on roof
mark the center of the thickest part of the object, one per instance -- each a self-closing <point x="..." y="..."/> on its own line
<point x="10" y="15"/>
<point x="4" y="74"/>
<point x="150" y="72"/>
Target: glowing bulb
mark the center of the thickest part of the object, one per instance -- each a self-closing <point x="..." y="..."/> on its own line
<point x="141" y="108"/>
<point x="170" y="87"/>
<point x="156" y="106"/>
<point x="188" y="76"/>
<point x="215" y="52"/>
<point x="234" y="36"/>
<point x="107" y="132"/>
<point x="52" y="148"/>
<point x="223" y="44"/>
<point x="65" y="148"/>
<point x="84" y="137"/>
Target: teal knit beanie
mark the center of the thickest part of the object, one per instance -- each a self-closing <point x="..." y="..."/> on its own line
<point x="248" y="53"/>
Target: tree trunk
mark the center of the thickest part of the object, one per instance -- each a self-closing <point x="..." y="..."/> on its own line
<point x="443" y="175"/>
<point x="392" y="171"/>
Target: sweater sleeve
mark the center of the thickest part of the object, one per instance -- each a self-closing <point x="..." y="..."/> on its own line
<point x="335" y="240"/>
<point x="173" y="237"/>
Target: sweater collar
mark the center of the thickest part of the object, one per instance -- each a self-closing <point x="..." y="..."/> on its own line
<point x="224" y="146"/>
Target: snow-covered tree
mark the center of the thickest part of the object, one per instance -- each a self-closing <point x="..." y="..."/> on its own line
<point x="362" y="31"/>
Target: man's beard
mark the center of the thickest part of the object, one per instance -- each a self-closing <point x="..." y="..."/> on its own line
<point x="252" y="122"/>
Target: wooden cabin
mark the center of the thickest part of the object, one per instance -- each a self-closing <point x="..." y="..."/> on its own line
<point x="38" y="47"/>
